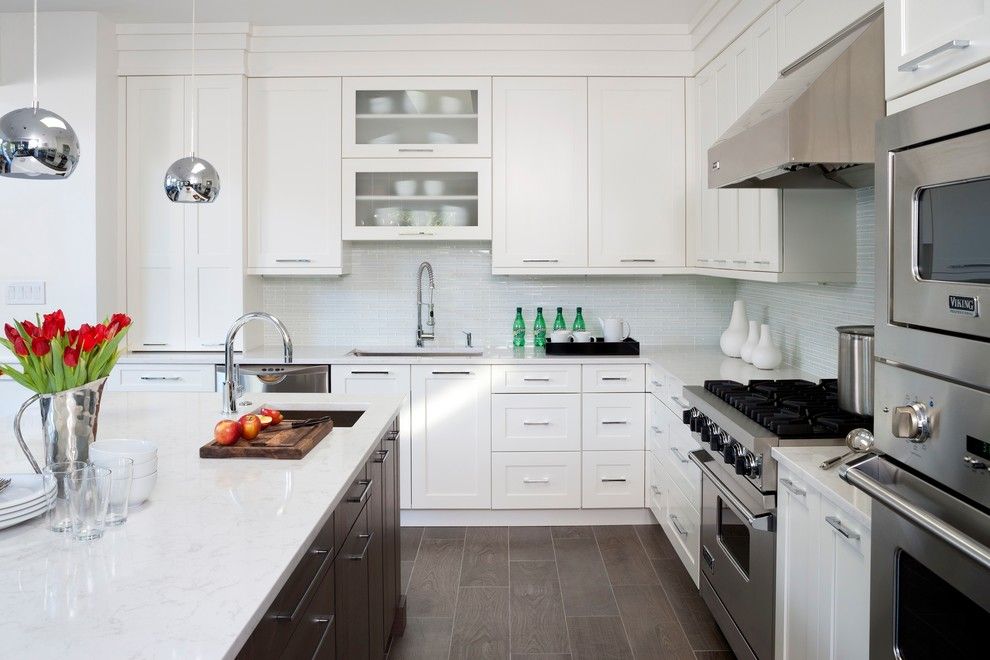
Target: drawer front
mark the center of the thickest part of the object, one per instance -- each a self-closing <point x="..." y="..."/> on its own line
<point x="614" y="377"/>
<point x="673" y="395"/>
<point x="655" y="484"/>
<point x="613" y="421"/>
<point x="353" y="503"/>
<point x="164" y="378"/>
<point x="655" y="380"/>
<point x="536" y="480"/>
<point x="671" y="448"/>
<point x="313" y="637"/>
<point x="370" y="379"/>
<point x="682" y="524"/>
<point x="612" y="479"/>
<point x="524" y="379"/>
<point x="546" y="422"/>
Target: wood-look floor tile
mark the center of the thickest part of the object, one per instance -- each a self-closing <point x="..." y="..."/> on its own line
<point x="537" y="608"/>
<point x="424" y="639"/>
<point x="481" y="625"/>
<point x="541" y="656"/>
<point x="696" y="620"/>
<point x="443" y="533"/>
<point x="573" y="532"/>
<point x="435" y="578"/>
<point x="409" y="538"/>
<point x="486" y="557"/>
<point x="655" y="542"/>
<point x="597" y="638"/>
<point x="650" y="623"/>
<point x="405" y="574"/>
<point x="530" y="544"/>
<point x="625" y="558"/>
<point x="584" y="583"/>
<point x="714" y="655"/>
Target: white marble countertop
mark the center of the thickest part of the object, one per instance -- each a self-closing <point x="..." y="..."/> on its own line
<point x="805" y="461"/>
<point x="196" y="566"/>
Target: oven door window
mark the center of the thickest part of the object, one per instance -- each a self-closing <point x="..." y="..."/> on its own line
<point x="953" y="239"/>
<point x="934" y="619"/>
<point x="733" y="533"/>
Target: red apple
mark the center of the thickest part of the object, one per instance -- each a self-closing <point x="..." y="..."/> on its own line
<point x="250" y="426"/>
<point x="227" y="432"/>
<point x="266" y="421"/>
<point x="274" y="414"/>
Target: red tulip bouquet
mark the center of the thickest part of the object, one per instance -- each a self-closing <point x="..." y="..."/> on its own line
<point x="53" y="359"/>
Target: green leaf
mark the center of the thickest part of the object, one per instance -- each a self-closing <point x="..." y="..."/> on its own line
<point x="57" y="366"/>
<point x="19" y="378"/>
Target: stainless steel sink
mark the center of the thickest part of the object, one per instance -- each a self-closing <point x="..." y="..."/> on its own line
<point x="417" y="352"/>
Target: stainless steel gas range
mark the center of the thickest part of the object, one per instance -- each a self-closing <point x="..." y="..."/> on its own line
<point x="737" y="426"/>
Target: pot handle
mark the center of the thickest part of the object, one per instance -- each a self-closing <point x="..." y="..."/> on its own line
<point x="17" y="432"/>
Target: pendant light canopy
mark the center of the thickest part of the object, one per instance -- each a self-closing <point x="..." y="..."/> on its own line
<point x="36" y="143"/>
<point x="192" y="180"/>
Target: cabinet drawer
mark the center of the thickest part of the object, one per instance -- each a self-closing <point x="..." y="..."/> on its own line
<point x="655" y="378"/>
<point x="673" y="395"/>
<point x="369" y="379"/>
<point x="613" y="421"/>
<point x="612" y="479"/>
<point x="545" y="422"/>
<point x="513" y="378"/>
<point x="671" y="441"/>
<point x="164" y="378"/>
<point x="536" y="480"/>
<point x="682" y="524"/>
<point x="313" y="637"/>
<point x="655" y="483"/>
<point x="353" y="503"/>
<point x="614" y="377"/>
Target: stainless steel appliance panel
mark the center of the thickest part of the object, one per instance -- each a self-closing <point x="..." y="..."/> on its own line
<point x="855" y="384"/>
<point x="284" y="378"/>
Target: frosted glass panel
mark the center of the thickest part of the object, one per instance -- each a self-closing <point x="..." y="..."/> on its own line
<point x="393" y="116"/>
<point x="416" y="199"/>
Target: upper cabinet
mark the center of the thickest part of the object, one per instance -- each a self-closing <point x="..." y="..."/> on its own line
<point x="636" y="172"/>
<point x="294" y="204"/>
<point x="805" y="25"/>
<point x="185" y="280"/>
<point x="417" y="117"/>
<point x="928" y="41"/>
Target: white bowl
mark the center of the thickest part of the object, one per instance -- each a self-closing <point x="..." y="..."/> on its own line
<point x="433" y="187"/>
<point x="451" y="105"/>
<point x="137" y="471"/>
<point x="141" y="488"/>
<point x="404" y="187"/>
<point x="422" y="218"/>
<point x="582" y="336"/>
<point x="381" y="105"/>
<point x="141" y="451"/>
<point x="560" y="336"/>
<point x="388" y="216"/>
<point x="454" y="216"/>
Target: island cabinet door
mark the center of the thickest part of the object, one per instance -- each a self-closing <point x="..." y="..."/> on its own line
<point x="389" y="457"/>
<point x="352" y="575"/>
<point x="451" y="437"/>
<point x="376" y="577"/>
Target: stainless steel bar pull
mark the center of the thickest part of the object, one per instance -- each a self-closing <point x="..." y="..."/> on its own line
<point x="915" y="64"/>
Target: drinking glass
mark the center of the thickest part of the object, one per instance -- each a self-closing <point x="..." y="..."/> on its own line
<point x="121" y="473"/>
<point x="58" y="515"/>
<point x="89" y="497"/>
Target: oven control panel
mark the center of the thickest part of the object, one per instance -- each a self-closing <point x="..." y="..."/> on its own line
<point x="741" y="460"/>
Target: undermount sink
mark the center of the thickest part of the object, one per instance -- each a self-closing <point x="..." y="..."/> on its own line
<point x="430" y="351"/>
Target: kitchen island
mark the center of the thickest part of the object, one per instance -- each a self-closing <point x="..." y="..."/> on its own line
<point x="196" y="567"/>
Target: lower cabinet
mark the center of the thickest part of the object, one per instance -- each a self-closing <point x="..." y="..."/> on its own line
<point x="536" y="480"/>
<point x="612" y="479"/>
<point x="823" y="575"/>
<point x="343" y="597"/>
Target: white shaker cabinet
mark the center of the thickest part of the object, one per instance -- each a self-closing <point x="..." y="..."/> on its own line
<point x="636" y="142"/>
<point x="294" y="195"/>
<point x="451" y="437"/>
<point x="804" y="25"/>
<point x="844" y="595"/>
<point x="539" y="173"/>
<point x="185" y="281"/>
<point x="798" y="509"/>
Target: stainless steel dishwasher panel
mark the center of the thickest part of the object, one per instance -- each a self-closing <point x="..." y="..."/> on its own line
<point x="284" y="378"/>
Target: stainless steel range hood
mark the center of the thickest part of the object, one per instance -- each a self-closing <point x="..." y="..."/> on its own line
<point x="814" y="127"/>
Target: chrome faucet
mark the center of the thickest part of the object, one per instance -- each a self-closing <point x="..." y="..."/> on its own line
<point x="230" y="392"/>
<point x="420" y="335"/>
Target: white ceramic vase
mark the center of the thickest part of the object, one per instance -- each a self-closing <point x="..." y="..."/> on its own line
<point x="752" y="339"/>
<point x="732" y="340"/>
<point x="766" y="355"/>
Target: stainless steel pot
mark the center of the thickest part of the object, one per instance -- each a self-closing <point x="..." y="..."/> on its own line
<point x="856" y="368"/>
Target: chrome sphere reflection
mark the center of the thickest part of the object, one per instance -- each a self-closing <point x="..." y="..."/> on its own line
<point x="37" y="144"/>
<point x="192" y="180"/>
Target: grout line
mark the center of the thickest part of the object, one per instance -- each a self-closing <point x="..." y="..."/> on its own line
<point x="611" y="588"/>
<point x="457" y="597"/>
<point x="560" y="589"/>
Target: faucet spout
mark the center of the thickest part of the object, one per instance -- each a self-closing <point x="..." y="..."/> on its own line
<point x="229" y="404"/>
<point x="427" y="268"/>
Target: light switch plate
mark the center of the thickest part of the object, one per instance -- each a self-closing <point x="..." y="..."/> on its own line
<point x="26" y="293"/>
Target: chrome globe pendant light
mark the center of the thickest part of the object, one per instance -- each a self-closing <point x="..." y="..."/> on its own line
<point x="36" y="143"/>
<point x="192" y="180"/>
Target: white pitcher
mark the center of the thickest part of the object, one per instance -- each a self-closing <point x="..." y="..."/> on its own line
<point x="614" y="329"/>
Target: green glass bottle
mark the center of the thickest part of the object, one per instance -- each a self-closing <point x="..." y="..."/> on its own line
<point x="519" y="329"/>
<point x="559" y="323"/>
<point x="539" y="329"/>
<point x="578" y="322"/>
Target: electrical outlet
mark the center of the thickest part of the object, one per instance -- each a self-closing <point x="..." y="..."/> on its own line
<point x="26" y="293"/>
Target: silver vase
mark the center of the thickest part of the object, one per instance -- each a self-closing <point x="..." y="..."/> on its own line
<point x="68" y="422"/>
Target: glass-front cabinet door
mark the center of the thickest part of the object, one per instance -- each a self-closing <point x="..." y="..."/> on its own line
<point x="417" y="199"/>
<point x="417" y="117"/>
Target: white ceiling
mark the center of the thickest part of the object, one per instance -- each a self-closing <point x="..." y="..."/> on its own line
<point x="379" y="12"/>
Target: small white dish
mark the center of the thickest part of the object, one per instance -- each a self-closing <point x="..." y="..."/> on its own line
<point x="388" y="138"/>
<point x="454" y="216"/>
<point x="141" y="451"/>
<point x="560" y="336"/>
<point x="24" y="489"/>
<point x="433" y="187"/>
<point x="141" y="489"/>
<point x="581" y="336"/>
<point x="434" y="137"/>
<point x="422" y="218"/>
<point x="381" y="105"/>
<point x="34" y="507"/>
<point x="404" y="187"/>
<point x="26" y="516"/>
<point x="450" y="105"/>
<point x="388" y="216"/>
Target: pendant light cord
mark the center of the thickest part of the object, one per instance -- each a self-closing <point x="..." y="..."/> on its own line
<point x="194" y="95"/>
<point x="34" y="88"/>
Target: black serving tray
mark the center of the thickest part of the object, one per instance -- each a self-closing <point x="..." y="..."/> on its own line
<point x="595" y="347"/>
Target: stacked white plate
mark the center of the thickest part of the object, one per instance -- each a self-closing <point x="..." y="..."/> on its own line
<point x="27" y="497"/>
<point x="144" y="453"/>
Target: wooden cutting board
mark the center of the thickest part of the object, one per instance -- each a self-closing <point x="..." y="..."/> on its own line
<point x="273" y="442"/>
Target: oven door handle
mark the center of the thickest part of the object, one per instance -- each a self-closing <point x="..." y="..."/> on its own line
<point x="760" y="521"/>
<point x="934" y="525"/>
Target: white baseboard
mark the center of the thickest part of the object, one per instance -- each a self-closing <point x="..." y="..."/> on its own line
<point x="523" y="518"/>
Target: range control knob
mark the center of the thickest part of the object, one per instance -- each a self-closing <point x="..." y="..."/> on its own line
<point x="730" y="452"/>
<point x="697" y="422"/>
<point x="719" y="440"/>
<point x="747" y="465"/>
<point x="707" y="432"/>
<point x="912" y="422"/>
<point x="688" y="414"/>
